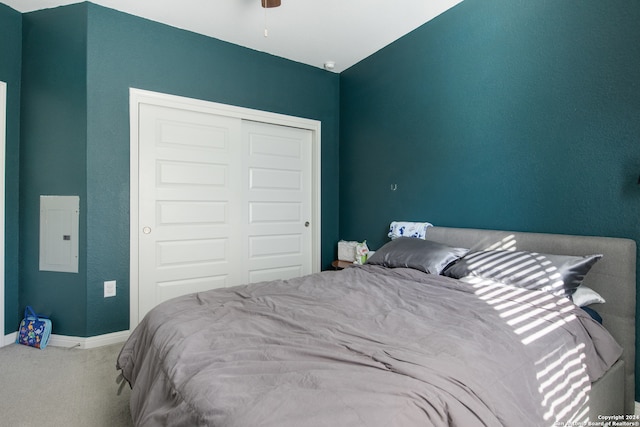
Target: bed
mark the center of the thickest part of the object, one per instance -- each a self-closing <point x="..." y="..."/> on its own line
<point x="376" y="346"/>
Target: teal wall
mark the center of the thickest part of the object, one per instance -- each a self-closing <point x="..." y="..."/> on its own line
<point x="53" y="156"/>
<point x="79" y="63"/>
<point x="10" y="66"/>
<point x="126" y="51"/>
<point x="499" y="114"/>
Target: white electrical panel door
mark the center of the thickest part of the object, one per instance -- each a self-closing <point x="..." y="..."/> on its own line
<point x="59" y="219"/>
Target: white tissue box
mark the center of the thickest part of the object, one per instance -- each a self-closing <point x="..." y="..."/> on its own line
<point x="347" y="250"/>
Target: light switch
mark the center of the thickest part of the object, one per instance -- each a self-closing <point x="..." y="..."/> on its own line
<point x="110" y="288"/>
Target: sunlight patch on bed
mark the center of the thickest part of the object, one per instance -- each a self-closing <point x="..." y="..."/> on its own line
<point x="506" y="244"/>
<point x="562" y="374"/>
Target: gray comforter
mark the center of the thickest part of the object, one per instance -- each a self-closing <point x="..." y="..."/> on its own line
<point x="366" y="346"/>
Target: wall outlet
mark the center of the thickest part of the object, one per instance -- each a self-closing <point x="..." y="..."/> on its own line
<point x="110" y="288"/>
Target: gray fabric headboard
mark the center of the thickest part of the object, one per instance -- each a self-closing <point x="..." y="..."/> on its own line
<point x="613" y="276"/>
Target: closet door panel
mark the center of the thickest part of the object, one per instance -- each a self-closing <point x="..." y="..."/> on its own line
<point x="189" y="209"/>
<point x="278" y="205"/>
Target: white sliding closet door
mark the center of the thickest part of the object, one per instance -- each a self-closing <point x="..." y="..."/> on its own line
<point x="221" y="201"/>
<point x="3" y="133"/>
<point x="278" y="203"/>
<point x="189" y="207"/>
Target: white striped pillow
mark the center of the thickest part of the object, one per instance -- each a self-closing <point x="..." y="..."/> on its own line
<point x="558" y="274"/>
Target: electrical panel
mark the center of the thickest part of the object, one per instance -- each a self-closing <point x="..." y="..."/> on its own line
<point x="59" y="223"/>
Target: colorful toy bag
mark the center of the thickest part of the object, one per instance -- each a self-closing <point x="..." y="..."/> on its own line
<point x="34" y="330"/>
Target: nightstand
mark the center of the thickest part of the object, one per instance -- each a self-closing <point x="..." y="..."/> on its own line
<point x="339" y="265"/>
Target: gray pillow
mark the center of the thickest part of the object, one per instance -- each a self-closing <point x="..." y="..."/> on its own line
<point x="558" y="274"/>
<point x="423" y="255"/>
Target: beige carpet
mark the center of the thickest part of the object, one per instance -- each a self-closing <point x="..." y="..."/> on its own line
<point x="61" y="387"/>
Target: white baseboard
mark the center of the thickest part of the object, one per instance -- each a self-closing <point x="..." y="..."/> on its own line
<point x="80" y="342"/>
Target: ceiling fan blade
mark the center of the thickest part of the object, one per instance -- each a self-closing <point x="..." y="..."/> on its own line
<point x="270" y="3"/>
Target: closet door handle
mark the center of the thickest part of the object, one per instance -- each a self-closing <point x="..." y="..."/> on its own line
<point x="306" y="224"/>
<point x="146" y="230"/>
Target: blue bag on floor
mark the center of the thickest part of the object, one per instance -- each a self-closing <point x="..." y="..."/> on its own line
<point x="34" y="330"/>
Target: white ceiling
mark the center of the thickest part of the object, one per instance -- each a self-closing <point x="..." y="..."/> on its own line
<point x="307" y="31"/>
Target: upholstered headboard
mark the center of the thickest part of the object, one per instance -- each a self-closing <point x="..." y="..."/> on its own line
<point x="613" y="276"/>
